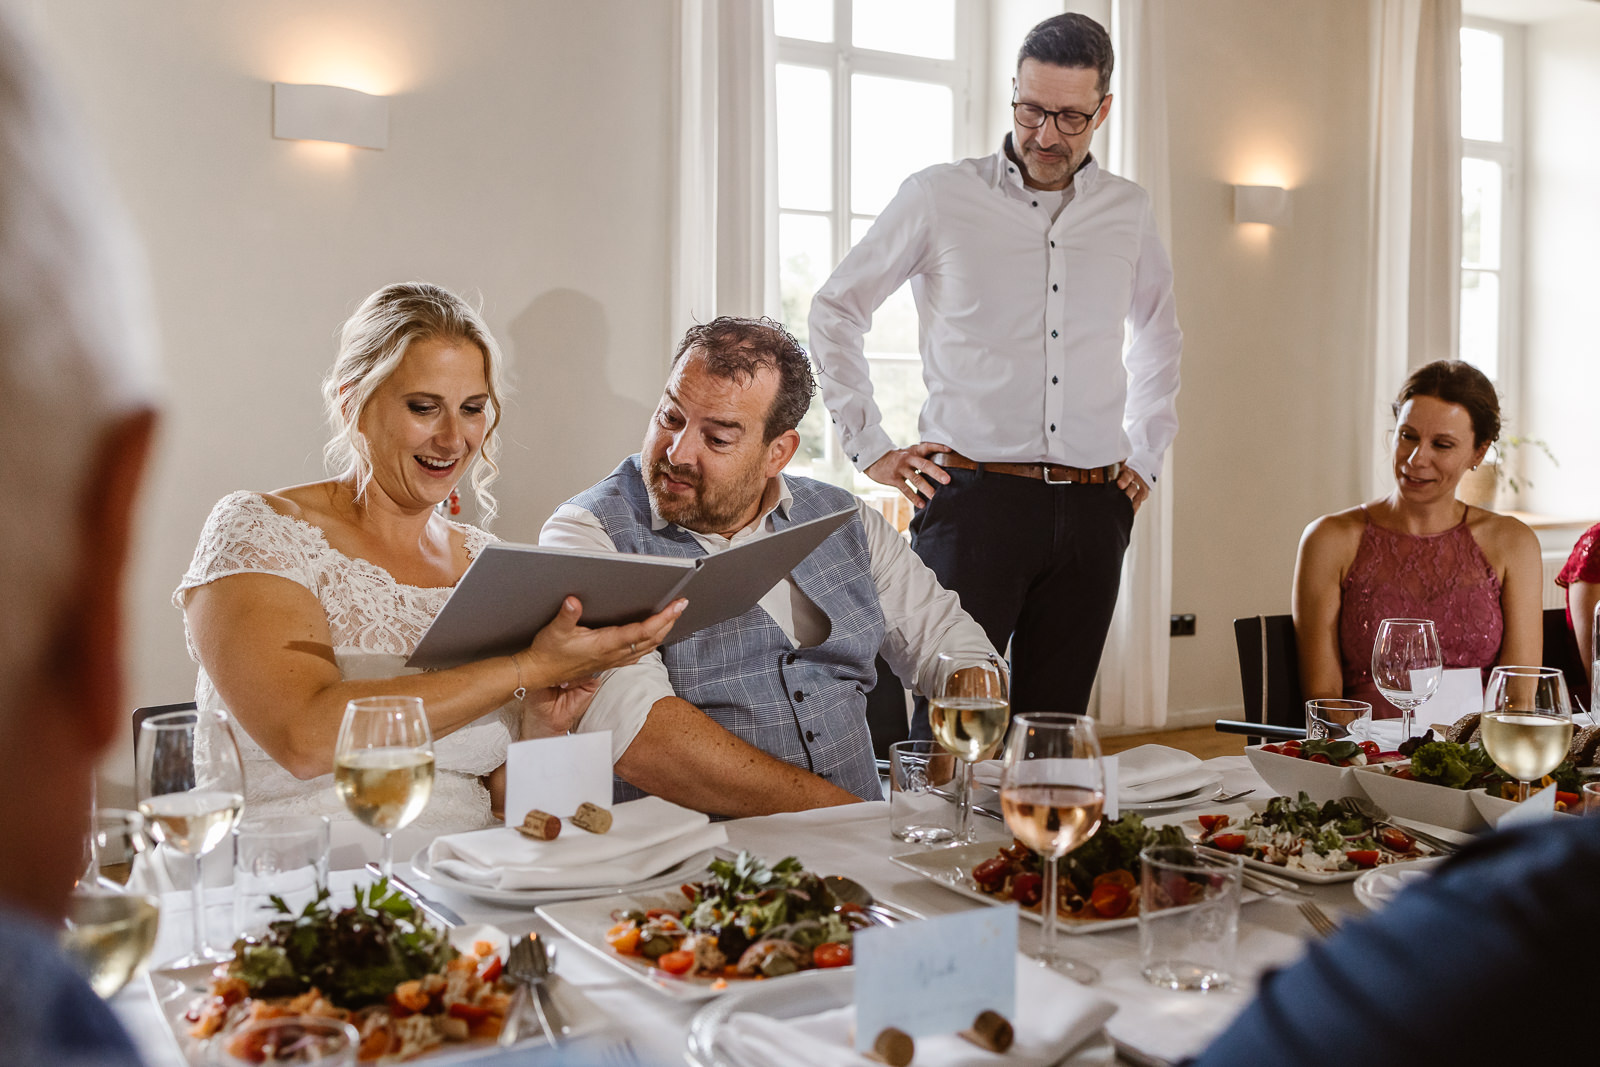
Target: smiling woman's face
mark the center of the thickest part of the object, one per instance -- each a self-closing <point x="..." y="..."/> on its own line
<point x="1433" y="448"/>
<point x="425" y="424"/>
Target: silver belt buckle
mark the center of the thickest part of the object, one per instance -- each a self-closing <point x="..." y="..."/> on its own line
<point x="1051" y="481"/>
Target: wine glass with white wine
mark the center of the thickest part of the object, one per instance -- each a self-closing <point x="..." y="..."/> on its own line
<point x="383" y="765"/>
<point x="1407" y="665"/>
<point x="1052" y="791"/>
<point x="190" y="786"/>
<point x="1527" y="722"/>
<point x="968" y="715"/>
<point x="109" y="930"/>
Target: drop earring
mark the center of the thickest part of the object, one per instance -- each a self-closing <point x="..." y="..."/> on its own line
<point x="455" y="502"/>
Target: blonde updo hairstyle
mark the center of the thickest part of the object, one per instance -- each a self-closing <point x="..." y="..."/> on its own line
<point x="372" y="343"/>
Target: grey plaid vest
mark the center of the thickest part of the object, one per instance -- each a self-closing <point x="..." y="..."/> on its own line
<point x="806" y="706"/>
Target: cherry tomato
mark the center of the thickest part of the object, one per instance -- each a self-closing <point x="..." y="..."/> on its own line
<point x="1276" y="750"/>
<point x="492" y="972"/>
<point x="1291" y="748"/>
<point x="1320" y="758"/>
<point x="991" y="874"/>
<point x="1027" y="889"/>
<point x="1572" y="801"/>
<point x="677" y="962"/>
<point x="1395" y="840"/>
<point x="1370" y="748"/>
<point x="831" y="954"/>
<point x="1229" y="842"/>
<point x="1109" y="900"/>
<point x="1119" y="876"/>
<point x="1363" y="857"/>
<point x="1212" y="823"/>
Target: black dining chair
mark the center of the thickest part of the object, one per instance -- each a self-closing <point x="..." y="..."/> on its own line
<point x="179" y="770"/>
<point x="1561" y="650"/>
<point x="1269" y="673"/>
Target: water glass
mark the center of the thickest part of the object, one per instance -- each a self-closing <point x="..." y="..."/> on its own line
<point x="1591" y="798"/>
<point x="289" y="1039"/>
<point x="1337" y="719"/>
<point x="1188" y="917"/>
<point x="286" y="858"/>
<point x="922" y="807"/>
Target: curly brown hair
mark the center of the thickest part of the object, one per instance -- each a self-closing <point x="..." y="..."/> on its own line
<point x="737" y="348"/>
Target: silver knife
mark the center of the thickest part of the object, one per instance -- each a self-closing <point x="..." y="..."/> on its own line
<point x="442" y="912"/>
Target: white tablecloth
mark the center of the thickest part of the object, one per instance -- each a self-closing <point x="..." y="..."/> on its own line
<point x="854" y="841"/>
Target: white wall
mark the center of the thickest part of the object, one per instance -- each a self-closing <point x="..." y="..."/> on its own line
<point x="528" y="162"/>
<point x="1561" y="349"/>
<point x="1272" y="411"/>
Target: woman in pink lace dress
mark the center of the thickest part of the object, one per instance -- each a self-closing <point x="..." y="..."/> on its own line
<point x="1420" y="553"/>
<point x="1581" y="579"/>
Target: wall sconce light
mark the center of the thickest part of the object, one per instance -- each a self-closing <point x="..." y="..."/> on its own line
<point x="1267" y="204"/>
<point x="329" y="113"/>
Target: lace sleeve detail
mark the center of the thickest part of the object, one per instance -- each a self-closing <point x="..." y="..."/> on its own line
<point x="244" y="535"/>
<point x="1584" y="563"/>
<point x="476" y="538"/>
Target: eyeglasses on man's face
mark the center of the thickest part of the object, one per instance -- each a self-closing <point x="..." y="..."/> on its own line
<point x="1069" y="122"/>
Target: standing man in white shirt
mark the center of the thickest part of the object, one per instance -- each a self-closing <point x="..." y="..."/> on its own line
<point x="1042" y="434"/>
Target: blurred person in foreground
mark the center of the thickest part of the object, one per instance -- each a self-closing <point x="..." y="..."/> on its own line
<point x="765" y="712"/>
<point x="1480" y="964"/>
<point x="77" y="375"/>
<point x="299" y="600"/>
<point x="1419" y="553"/>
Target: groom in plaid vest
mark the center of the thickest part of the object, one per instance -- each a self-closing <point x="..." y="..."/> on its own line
<point x="765" y="712"/>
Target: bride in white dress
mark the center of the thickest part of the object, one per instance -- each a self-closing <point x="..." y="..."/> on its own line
<point x="299" y="600"/>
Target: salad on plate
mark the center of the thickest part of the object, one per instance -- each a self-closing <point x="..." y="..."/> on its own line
<point x="1301" y="835"/>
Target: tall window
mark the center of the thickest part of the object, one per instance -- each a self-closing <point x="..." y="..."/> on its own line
<point x="1491" y="180"/>
<point x="868" y="92"/>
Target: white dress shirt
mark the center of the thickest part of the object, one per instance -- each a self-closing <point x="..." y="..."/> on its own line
<point x="1023" y="319"/>
<point x="921" y="617"/>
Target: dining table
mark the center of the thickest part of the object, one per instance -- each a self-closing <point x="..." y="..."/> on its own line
<point x="641" y="1025"/>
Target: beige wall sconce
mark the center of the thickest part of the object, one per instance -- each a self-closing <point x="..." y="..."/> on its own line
<point x="1266" y="204"/>
<point x="329" y="113"/>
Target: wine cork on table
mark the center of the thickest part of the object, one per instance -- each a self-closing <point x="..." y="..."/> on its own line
<point x="893" y="1047"/>
<point x="592" y="817"/>
<point x="540" y="825"/>
<point x="991" y="1031"/>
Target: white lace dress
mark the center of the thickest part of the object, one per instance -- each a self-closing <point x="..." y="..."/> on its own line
<point x="376" y="623"/>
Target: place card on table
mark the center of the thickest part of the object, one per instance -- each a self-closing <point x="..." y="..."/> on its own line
<point x="556" y="774"/>
<point x="1460" y="693"/>
<point x="936" y="975"/>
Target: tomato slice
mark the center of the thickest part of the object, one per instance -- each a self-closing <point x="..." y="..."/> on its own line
<point x="1363" y="857"/>
<point x="1395" y="839"/>
<point x="1229" y="842"/>
<point x="831" y="954"/>
<point x="677" y="962"/>
<point x="1212" y="823"/>
<point x="1110" y="899"/>
<point x="492" y="972"/>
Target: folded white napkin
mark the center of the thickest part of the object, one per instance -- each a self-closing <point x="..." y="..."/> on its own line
<point x="1054" y="1016"/>
<point x="646" y="837"/>
<point x="1144" y="773"/>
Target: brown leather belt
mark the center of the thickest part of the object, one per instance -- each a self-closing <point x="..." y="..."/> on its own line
<point x="1049" y="473"/>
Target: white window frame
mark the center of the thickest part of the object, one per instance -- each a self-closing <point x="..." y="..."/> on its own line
<point x="1509" y="154"/>
<point x="963" y="75"/>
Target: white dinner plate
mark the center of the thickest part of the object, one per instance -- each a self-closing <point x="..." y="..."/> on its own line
<point x="1375" y="888"/>
<point x="585" y="922"/>
<point x="176" y="989"/>
<point x="808" y="993"/>
<point x="1193" y="829"/>
<point x="687" y="870"/>
<point x="1200" y="794"/>
<point x="952" y="868"/>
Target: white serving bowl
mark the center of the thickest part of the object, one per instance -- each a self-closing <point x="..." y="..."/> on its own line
<point x="1436" y="805"/>
<point x="1289" y="776"/>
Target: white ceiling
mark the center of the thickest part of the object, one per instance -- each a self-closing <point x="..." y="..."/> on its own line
<point x="1528" y="10"/>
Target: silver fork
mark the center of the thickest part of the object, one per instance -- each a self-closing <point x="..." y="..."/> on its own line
<point x="522" y="969"/>
<point x="1324" y="926"/>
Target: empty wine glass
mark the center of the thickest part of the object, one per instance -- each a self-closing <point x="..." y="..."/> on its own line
<point x="1052" y="790"/>
<point x="1527" y="722"/>
<point x="190" y="786"/>
<point x="968" y="715"/>
<point x="383" y="765"/>
<point x="1407" y="665"/>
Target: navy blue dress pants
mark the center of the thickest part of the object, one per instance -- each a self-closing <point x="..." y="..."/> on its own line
<point x="1036" y="565"/>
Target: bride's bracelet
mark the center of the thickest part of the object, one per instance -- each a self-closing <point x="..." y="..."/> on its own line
<point x="521" y="691"/>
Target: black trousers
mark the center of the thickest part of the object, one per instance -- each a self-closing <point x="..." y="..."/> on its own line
<point x="1036" y="565"/>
